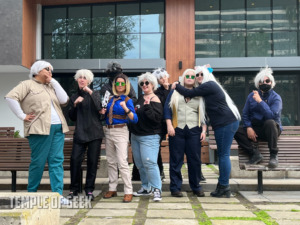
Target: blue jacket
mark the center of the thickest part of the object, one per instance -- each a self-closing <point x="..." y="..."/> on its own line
<point x="215" y="103"/>
<point x="118" y="110"/>
<point x="269" y="108"/>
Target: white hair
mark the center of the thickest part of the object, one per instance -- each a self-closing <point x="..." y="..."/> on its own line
<point x="207" y="76"/>
<point x="149" y="77"/>
<point x="175" y="97"/>
<point x="265" y="72"/>
<point x="38" y="66"/>
<point x="160" y="73"/>
<point x="84" y="73"/>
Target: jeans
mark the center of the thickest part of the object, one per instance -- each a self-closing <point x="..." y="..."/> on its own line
<point x="145" y="151"/>
<point x="224" y="136"/>
<point x="47" y="148"/>
<point x="186" y="141"/>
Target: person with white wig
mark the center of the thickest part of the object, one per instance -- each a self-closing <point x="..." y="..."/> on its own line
<point x="145" y="137"/>
<point x="84" y="109"/>
<point x="37" y="102"/>
<point x="185" y="118"/>
<point x="261" y="119"/>
<point x="224" y="119"/>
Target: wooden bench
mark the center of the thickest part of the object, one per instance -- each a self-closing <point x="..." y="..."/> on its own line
<point x="15" y="155"/>
<point x="288" y="154"/>
<point x="7" y="132"/>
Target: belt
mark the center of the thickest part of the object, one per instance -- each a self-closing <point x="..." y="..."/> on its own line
<point x="116" y="126"/>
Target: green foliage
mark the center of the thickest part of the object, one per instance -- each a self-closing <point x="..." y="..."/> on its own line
<point x="17" y="134"/>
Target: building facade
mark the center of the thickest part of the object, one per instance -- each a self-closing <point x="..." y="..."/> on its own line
<point x="236" y="37"/>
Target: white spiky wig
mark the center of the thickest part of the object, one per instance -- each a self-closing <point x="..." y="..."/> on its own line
<point x="160" y="73"/>
<point x="207" y="76"/>
<point x="265" y="72"/>
<point x="38" y="66"/>
<point x="175" y="97"/>
<point x="149" y="77"/>
<point x="85" y="73"/>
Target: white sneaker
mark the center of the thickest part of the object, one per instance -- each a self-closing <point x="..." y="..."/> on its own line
<point x="142" y="192"/>
<point x="64" y="201"/>
<point x="157" y="195"/>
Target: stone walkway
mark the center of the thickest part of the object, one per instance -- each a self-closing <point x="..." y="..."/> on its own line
<point x="244" y="208"/>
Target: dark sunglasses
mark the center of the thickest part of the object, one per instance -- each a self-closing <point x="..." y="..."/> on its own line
<point x="48" y="69"/>
<point x="267" y="81"/>
<point x="159" y="71"/>
<point x="146" y="83"/>
<point x="198" y="74"/>
<point x="120" y="83"/>
<point x="189" y="76"/>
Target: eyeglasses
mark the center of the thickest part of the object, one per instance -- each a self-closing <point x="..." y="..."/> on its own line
<point x="189" y="76"/>
<point x="267" y="81"/>
<point x="146" y="83"/>
<point x="120" y="83"/>
<point x="160" y="71"/>
<point x="198" y="74"/>
<point x="48" y="69"/>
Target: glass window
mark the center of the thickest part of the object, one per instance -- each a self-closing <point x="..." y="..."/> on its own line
<point x="233" y="15"/>
<point x="152" y="17"/>
<point x="259" y="15"/>
<point x="79" y="19"/>
<point x="207" y="45"/>
<point x="285" y="14"/>
<point x="128" y="18"/>
<point x="259" y="44"/>
<point x="152" y="46"/>
<point x="128" y="46"/>
<point x="55" y="47"/>
<point x="55" y="20"/>
<point x="207" y="15"/>
<point x="104" y="19"/>
<point x="104" y="46"/>
<point x="233" y="44"/>
<point x="79" y="51"/>
<point x="285" y="43"/>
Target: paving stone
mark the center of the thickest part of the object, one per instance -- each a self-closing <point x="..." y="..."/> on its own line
<point x="236" y="222"/>
<point x="118" y="199"/>
<point x="208" y="199"/>
<point x="114" y="205"/>
<point x="68" y="212"/>
<point x="219" y="213"/>
<point x="171" y="214"/>
<point x="170" y="222"/>
<point x="272" y="196"/>
<point x="284" y="207"/>
<point x="169" y="206"/>
<point x="104" y="221"/>
<point x="284" y="215"/>
<point x="206" y="206"/>
<point x="253" y="196"/>
<point x="111" y="212"/>
<point x="173" y="199"/>
<point x="63" y="220"/>
<point x="288" y="222"/>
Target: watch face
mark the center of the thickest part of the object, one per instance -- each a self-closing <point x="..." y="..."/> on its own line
<point x="137" y="107"/>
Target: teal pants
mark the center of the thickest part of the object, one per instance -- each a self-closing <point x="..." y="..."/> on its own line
<point x="47" y="148"/>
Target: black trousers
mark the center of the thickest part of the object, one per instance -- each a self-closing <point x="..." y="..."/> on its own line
<point x="77" y="157"/>
<point x="268" y="131"/>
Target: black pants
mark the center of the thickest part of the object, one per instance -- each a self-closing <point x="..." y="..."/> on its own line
<point x="77" y="157"/>
<point x="268" y="131"/>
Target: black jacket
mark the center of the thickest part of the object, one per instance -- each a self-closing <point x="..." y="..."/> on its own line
<point x="86" y="114"/>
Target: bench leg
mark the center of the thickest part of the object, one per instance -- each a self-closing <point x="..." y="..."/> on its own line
<point x="13" y="181"/>
<point x="80" y="180"/>
<point x="260" y="182"/>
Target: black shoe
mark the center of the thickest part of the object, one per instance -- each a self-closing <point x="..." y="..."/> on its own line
<point x="273" y="161"/>
<point x="162" y="176"/>
<point x="216" y="191"/>
<point x="255" y="158"/>
<point x="202" y="179"/>
<point x="90" y="196"/>
<point x="199" y="193"/>
<point x="177" y="194"/>
<point x="221" y="191"/>
<point x="72" y="194"/>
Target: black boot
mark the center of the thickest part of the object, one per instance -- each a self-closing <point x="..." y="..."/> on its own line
<point x="215" y="191"/>
<point x="202" y="179"/>
<point x="221" y="191"/>
<point x="256" y="157"/>
<point x="273" y="161"/>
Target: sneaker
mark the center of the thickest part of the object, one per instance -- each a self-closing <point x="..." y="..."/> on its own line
<point x="177" y="194"/>
<point x="72" y="194"/>
<point x="199" y="193"/>
<point x="142" y="192"/>
<point x="156" y="195"/>
<point x="90" y="196"/>
<point x="162" y="176"/>
<point x="64" y="201"/>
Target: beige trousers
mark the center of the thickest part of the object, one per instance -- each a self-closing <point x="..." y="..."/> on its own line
<point x="116" y="146"/>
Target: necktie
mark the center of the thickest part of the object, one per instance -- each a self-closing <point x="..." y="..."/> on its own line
<point x="110" y="114"/>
